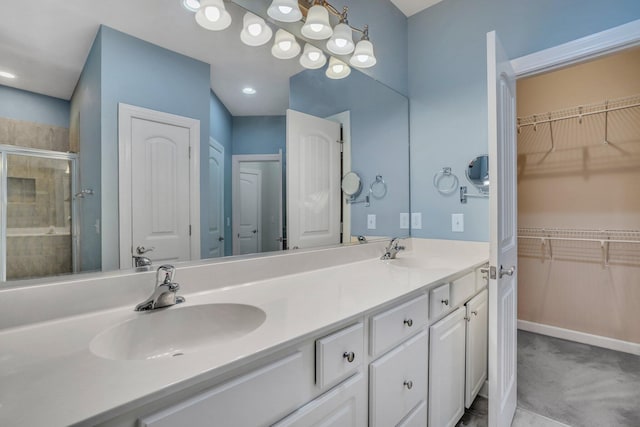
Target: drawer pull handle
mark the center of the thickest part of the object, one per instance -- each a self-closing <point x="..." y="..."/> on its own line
<point x="350" y="356"/>
<point x="408" y="384"/>
<point x="445" y="301"/>
<point x="409" y="322"/>
<point x="475" y="313"/>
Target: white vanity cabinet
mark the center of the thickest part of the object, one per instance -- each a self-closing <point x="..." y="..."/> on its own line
<point x="447" y="369"/>
<point x="477" y="310"/>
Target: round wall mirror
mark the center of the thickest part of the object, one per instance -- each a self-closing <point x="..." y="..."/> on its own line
<point x="351" y="184"/>
<point x="478" y="173"/>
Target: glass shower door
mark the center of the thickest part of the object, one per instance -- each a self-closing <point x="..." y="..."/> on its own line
<point x="38" y="213"/>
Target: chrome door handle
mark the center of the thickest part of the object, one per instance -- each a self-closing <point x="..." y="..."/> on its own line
<point x="254" y="231"/>
<point x="220" y="239"/>
<point x="508" y="272"/>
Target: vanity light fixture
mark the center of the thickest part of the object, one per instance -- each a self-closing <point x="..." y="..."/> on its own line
<point x="312" y="57"/>
<point x="363" y="56"/>
<point x="249" y="91"/>
<point x="285" y="10"/>
<point x="285" y="45"/>
<point x="212" y="15"/>
<point x="7" y="75"/>
<point x="337" y="69"/>
<point x="341" y="42"/>
<point x="255" y="32"/>
<point x="317" y="26"/>
<point x="191" y="5"/>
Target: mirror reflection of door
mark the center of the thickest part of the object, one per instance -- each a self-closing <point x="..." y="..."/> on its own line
<point x="257" y="203"/>
<point x="313" y="181"/>
<point x="216" y="199"/>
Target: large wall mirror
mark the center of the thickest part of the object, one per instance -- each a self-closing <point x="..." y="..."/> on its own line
<point x="262" y="183"/>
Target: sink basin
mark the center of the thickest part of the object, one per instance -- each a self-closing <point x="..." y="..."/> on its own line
<point x="176" y="331"/>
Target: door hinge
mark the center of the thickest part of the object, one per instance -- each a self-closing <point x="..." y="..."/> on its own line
<point x="189" y="151"/>
<point x="189" y="229"/>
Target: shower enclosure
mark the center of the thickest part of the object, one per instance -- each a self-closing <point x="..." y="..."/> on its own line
<point x="37" y="209"/>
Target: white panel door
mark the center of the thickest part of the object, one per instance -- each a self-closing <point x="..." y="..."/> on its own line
<point x="249" y="227"/>
<point x="476" y="363"/>
<point x="160" y="189"/>
<point x="313" y="181"/>
<point x="216" y="199"/>
<point x="446" y="370"/>
<point x="503" y="239"/>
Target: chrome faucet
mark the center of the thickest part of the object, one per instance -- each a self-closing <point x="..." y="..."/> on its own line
<point x="392" y="249"/>
<point x="164" y="294"/>
<point x="141" y="262"/>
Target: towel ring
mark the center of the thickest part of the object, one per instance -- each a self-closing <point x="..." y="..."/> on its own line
<point x="438" y="177"/>
<point x="378" y="188"/>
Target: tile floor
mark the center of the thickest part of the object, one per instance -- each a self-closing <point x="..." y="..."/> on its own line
<point x="572" y="384"/>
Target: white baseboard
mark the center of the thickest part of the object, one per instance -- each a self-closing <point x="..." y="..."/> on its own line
<point x="581" y="337"/>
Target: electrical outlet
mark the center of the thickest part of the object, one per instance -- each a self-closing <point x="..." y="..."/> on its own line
<point x="457" y="223"/>
<point x="416" y="220"/>
<point x="404" y="220"/>
<point x="371" y="221"/>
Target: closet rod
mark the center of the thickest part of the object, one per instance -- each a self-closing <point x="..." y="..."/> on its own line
<point x="572" y="116"/>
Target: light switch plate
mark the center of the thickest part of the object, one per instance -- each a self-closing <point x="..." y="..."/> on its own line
<point x="371" y="221"/>
<point x="457" y="223"/>
<point x="416" y="220"/>
<point x="404" y="220"/>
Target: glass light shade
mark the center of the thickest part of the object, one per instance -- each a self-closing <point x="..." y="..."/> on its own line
<point x="337" y="69"/>
<point x="285" y="45"/>
<point x="255" y="32"/>
<point x="363" y="56"/>
<point x="312" y="57"/>
<point x="317" y="26"/>
<point x="191" y="5"/>
<point x="341" y="43"/>
<point x="285" y="10"/>
<point x="212" y="15"/>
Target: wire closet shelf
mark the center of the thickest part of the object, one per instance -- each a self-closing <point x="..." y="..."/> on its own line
<point x="621" y="245"/>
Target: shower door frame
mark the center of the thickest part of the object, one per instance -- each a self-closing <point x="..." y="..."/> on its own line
<point x="7" y="150"/>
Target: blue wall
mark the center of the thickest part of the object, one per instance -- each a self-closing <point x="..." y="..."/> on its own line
<point x="32" y="107"/>
<point x="220" y="129"/>
<point x="447" y="86"/>
<point x="86" y="114"/>
<point x="259" y="134"/>
<point x="379" y="138"/>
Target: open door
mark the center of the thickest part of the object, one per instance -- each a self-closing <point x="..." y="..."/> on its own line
<point x="503" y="239"/>
<point x="313" y="181"/>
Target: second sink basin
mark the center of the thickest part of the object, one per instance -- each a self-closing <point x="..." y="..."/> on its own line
<point x="172" y="332"/>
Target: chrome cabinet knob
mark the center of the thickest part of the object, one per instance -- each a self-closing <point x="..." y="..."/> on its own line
<point x="408" y="384"/>
<point x="349" y="355"/>
<point x="445" y="301"/>
<point x="409" y="322"/>
<point x="475" y="313"/>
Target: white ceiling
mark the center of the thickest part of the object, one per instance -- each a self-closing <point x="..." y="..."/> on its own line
<point x="46" y="42"/>
<point x="411" y="7"/>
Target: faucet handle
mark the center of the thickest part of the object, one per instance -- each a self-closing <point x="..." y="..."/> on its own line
<point x="141" y="250"/>
<point x="169" y="271"/>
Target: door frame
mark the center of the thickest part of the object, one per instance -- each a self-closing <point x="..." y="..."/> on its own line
<point x="236" y="160"/>
<point x="213" y="143"/>
<point x="126" y="113"/>
<point x="579" y="50"/>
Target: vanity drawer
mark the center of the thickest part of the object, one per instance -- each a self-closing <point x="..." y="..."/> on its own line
<point x="271" y="392"/>
<point x="395" y="325"/>
<point x="339" y="355"/>
<point x="463" y="288"/>
<point x="398" y="381"/>
<point x="440" y="301"/>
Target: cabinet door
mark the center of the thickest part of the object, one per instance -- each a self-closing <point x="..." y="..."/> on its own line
<point x="477" y="311"/>
<point x="343" y="406"/>
<point x="446" y="370"/>
<point x="398" y="381"/>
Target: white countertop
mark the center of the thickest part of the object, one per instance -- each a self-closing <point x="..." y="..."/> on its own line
<point x="49" y="376"/>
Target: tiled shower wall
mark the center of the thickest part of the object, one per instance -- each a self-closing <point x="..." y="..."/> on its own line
<point x="38" y="197"/>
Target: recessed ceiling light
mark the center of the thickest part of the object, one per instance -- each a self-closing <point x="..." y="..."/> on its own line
<point x="7" y="75"/>
<point x="249" y="91"/>
<point x="191" y="5"/>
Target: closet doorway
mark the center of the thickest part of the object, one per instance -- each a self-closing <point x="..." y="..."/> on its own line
<point x="579" y="241"/>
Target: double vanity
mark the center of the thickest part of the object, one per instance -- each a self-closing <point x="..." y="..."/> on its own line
<point x="320" y="337"/>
